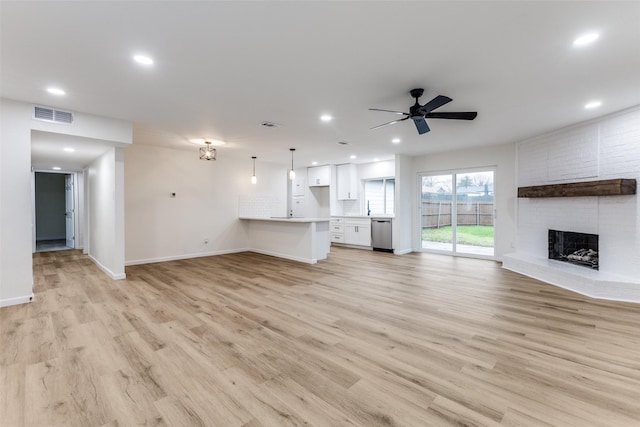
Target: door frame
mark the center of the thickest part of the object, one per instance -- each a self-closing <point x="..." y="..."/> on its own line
<point x="454" y="219"/>
<point x="77" y="195"/>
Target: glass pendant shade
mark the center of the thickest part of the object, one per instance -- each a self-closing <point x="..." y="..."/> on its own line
<point x="292" y="173"/>
<point x="207" y="152"/>
<point x="253" y="177"/>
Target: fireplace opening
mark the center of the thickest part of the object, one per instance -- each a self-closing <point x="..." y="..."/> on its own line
<point x="575" y="248"/>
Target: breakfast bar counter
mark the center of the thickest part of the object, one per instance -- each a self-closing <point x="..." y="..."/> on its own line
<point x="298" y="239"/>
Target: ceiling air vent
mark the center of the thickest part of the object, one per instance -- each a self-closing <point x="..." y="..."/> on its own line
<point x="47" y="114"/>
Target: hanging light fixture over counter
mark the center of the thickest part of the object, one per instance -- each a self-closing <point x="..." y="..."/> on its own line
<point x="292" y="173"/>
<point x="253" y="177"/>
<point x="207" y="152"/>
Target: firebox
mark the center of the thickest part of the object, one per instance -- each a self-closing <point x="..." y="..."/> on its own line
<point x="575" y="248"/>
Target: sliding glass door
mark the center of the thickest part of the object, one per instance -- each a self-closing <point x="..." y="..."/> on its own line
<point x="437" y="212"/>
<point x="457" y="212"/>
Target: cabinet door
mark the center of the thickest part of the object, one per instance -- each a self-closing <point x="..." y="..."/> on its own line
<point x="357" y="235"/>
<point x="319" y="176"/>
<point x="363" y="235"/>
<point x="347" y="182"/>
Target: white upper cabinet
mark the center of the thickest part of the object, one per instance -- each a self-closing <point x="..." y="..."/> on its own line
<point x="319" y="176"/>
<point x="347" y="180"/>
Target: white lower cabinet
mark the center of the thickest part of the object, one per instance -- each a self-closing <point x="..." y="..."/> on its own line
<point x="351" y="231"/>
<point x="357" y="232"/>
<point x="336" y="228"/>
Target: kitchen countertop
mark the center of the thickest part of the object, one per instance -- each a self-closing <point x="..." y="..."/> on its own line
<point x="286" y="219"/>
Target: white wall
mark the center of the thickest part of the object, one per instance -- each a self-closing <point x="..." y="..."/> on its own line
<point x="159" y="227"/>
<point x="605" y="148"/>
<point x="503" y="158"/>
<point x="105" y="212"/>
<point x="16" y="276"/>
<point x="402" y="225"/>
<point x="16" y="216"/>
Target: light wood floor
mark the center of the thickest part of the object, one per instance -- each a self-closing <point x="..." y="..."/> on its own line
<point x="361" y="339"/>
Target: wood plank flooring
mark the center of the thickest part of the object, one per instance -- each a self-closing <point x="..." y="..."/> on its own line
<point x="362" y="339"/>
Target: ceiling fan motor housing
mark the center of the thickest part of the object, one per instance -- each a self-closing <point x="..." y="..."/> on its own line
<point x="416" y="93"/>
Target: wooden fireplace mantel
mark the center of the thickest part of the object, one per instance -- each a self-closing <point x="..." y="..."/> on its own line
<point x="607" y="187"/>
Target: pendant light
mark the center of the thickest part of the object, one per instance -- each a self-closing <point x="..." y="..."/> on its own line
<point x="207" y="152"/>
<point x="253" y="177"/>
<point x="292" y="173"/>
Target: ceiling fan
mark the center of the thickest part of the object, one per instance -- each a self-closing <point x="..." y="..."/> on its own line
<point x="418" y="113"/>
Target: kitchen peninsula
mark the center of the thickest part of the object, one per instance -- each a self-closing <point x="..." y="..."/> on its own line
<point x="298" y="239"/>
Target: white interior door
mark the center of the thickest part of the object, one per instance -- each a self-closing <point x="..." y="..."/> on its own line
<point x="69" y="211"/>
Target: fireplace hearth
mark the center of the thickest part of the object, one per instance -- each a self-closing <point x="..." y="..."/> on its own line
<point x="574" y="248"/>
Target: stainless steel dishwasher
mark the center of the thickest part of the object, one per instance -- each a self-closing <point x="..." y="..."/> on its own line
<point x="381" y="237"/>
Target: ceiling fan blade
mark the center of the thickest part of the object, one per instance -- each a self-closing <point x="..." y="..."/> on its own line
<point x="421" y="125"/>
<point x="388" y="123"/>
<point x="436" y="102"/>
<point x="468" y="115"/>
<point x="389" y="111"/>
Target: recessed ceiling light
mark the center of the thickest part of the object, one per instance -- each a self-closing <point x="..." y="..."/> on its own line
<point x="396" y="140"/>
<point x="56" y="168"/>
<point x="343" y="143"/>
<point x="326" y="118"/>
<point x="142" y="59"/>
<point x="586" y="39"/>
<point x="56" y="91"/>
<point x="69" y="149"/>
<point x="314" y="163"/>
<point x="592" y="104"/>
<point x="376" y="159"/>
<point x="353" y="156"/>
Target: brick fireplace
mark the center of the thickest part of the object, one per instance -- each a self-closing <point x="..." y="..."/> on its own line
<point x="603" y="149"/>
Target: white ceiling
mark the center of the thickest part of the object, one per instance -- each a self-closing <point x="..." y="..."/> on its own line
<point x="221" y="68"/>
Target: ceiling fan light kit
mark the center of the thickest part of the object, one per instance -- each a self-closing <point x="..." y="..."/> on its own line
<point x="418" y="113"/>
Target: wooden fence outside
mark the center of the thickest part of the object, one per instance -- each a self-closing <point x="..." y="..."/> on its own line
<point x="436" y="214"/>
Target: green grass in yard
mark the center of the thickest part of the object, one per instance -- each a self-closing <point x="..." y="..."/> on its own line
<point x="476" y="235"/>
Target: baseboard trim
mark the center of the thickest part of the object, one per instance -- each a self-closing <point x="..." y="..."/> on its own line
<point x="185" y="256"/>
<point x="107" y="271"/>
<point x="15" y="301"/>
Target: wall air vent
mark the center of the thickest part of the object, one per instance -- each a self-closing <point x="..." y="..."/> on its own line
<point x="47" y="114"/>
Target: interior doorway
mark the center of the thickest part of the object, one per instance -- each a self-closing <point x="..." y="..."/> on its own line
<point x="54" y="203"/>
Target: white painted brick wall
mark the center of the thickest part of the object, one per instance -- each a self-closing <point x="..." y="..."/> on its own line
<point x="602" y="149"/>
